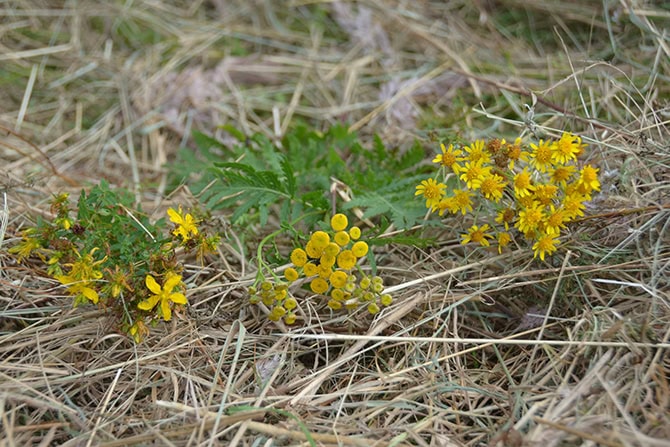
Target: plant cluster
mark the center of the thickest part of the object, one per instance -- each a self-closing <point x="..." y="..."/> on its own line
<point x="328" y="265"/>
<point x="534" y="188"/>
<point x="109" y="255"/>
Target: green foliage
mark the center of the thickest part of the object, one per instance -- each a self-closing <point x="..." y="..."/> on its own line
<point x="294" y="178"/>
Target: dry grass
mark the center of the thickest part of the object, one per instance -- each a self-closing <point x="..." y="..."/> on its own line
<point x="498" y="352"/>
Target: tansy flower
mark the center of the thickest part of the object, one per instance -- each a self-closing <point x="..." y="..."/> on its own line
<point x="449" y="157"/>
<point x="346" y="260"/>
<point x="477" y="152"/>
<point x="492" y="187"/>
<point x="359" y="249"/>
<point x="339" y="222"/>
<point x="338" y="279"/>
<point x="186" y="224"/>
<point x="319" y="285"/>
<point x="432" y="192"/>
<point x="540" y="157"/>
<point x="291" y="274"/>
<point x="354" y="233"/>
<point x="163" y="295"/>
<point x="477" y="235"/>
<point x="545" y="244"/>
<point x="342" y="238"/>
<point x="298" y="257"/>
<point x="320" y="240"/>
<point x="566" y="148"/>
<point x="523" y="185"/>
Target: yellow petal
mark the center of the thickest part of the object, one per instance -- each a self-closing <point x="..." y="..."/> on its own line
<point x="148" y="304"/>
<point x="152" y="285"/>
<point x="90" y="294"/>
<point x="171" y="281"/>
<point x="178" y="298"/>
<point x="165" y="307"/>
<point x="175" y="217"/>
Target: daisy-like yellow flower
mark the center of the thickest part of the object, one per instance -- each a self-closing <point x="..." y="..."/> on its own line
<point x="523" y="185"/>
<point x="561" y="174"/>
<point x="540" y="157"/>
<point x="492" y="187"/>
<point x="477" y="235"/>
<point x="431" y="191"/>
<point x="515" y="153"/>
<point x="545" y="244"/>
<point x="186" y="224"/>
<point x="473" y="173"/>
<point x="449" y="157"/>
<point x="446" y="204"/>
<point x="504" y="239"/>
<point x="555" y="221"/>
<point x="545" y="194"/>
<point x="477" y="152"/>
<point x="462" y="201"/>
<point x="163" y="295"/>
<point x="505" y="217"/>
<point x="566" y="148"/>
<point x="573" y="204"/>
<point x="530" y="219"/>
<point x="588" y="179"/>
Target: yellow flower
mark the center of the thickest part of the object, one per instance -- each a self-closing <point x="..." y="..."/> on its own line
<point x="164" y="294"/>
<point x="540" y="158"/>
<point x="505" y="217"/>
<point x="359" y="249"/>
<point x="298" y="257"/>
<point x="338" y="279"/>
<point x="573" y="204"/>
<point x="138" y="331"/>
<point x="290" y="303"/>
<point x="346" y="260"/>
<point x="555" y="221"/>
<point x="492" y="187"/>
<point x="472" y="174"/>
<point x="25" y="247"/>
<point x="354" y="233"/>
<point x="339" y="222"/>
<point x="561" y="174"/>
<point x="449" y="157"/>
<point x="504" y="239"/>
<point x="319" y="285"/>
<point x="310" y="269"/>
<point x="530" y="219"/>
<point x="332" y="249"/>
<point x="545" y="244"/>
<point x="431" y="191"/>
<point x="291" y="274"/>
<point x="186" y="224"/>
<point x="477" y="152"/>
<point x="312" y="251"/>
<point x="523" y="185"/>
<point x="477" y="235"/>
<point x="545" y="194"/>
<point x="566" y="148"/>
<point x="79" y="288"/>
<point x="588" y="179"/>
<point x="289" y="318"/>
<point x="342" y="238"/>
<point x="515" y="152"/>
<point x="320" y="240"/>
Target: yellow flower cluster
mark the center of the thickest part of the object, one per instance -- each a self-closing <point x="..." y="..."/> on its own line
<point x="326" y="263"/>
<point x="535" y="188"/>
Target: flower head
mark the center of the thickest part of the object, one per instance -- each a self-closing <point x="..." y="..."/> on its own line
<point x="566" y="148"/>
<point x="541" y="156"/>
<point x="163" y="295"/>
<point x="449" y="157"/>
<point x="477" y="235"/>
<point x="186" y="224"/>
<point x="492" y="187"/>
<point x="545" y="244"/>
<point x="431" y="191"/>
<point x="339" y="222"/>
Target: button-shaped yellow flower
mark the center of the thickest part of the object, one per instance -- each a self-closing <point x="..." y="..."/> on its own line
<point x="339" y="222"/>
<point x="163" y="294"/>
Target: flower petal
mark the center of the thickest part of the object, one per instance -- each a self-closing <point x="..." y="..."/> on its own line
<point x="175" y="217"/>
<point x="171" y="281"/>
<point x="152" y="285"/>
<point x="148" y="304"/>
<point x="165" y="308"/>
<point x="178" y="298"/>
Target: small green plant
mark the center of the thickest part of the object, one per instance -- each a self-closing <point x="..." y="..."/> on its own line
<point x="111" y="255"/>
<point x="328" y="265"/>
<point x="534" y="188"/>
